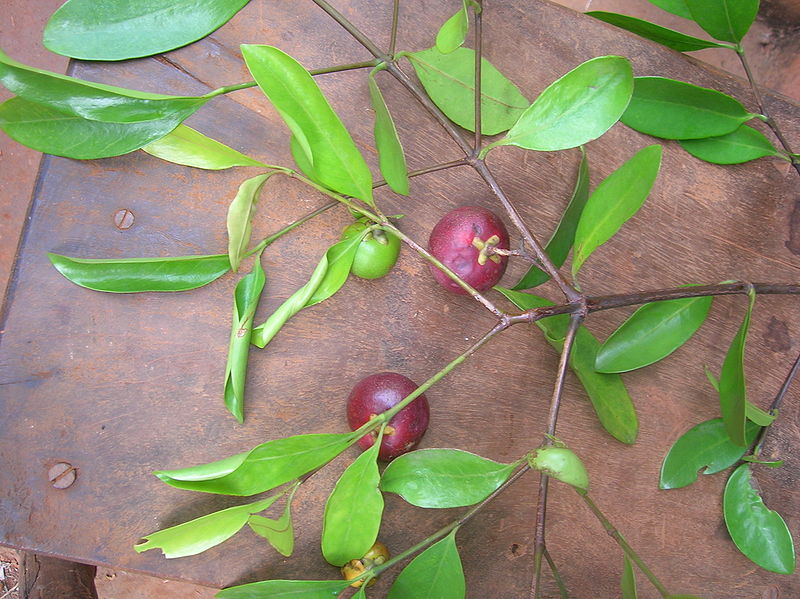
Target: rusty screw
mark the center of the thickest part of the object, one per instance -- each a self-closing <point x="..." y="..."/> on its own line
<point x="62" y="475"/>
<point x="123" y="219"/>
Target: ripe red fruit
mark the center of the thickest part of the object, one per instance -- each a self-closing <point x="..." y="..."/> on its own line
<point x="376" y="394"/>
<point x="462" y="241"/>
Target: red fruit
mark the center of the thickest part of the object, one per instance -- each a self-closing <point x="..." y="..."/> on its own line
<point x="376" y="394"/>
<point x="462" y="241"/>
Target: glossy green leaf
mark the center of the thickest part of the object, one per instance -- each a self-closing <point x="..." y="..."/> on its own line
<point x="442" y="478"/>
<point x="676" y="7"/>
<point x="732" y="384"/>
<point x="628" y="582"/>
<point x="607" y="392"/>
<point x="280" y="532"/>
<point x="285" y="589"/>
<point x="652" y="333"/>
<point x="327" y="145"/>
<point x="759" y="532"/>
<point x="705" y="445"/>
<point x="576" y="108"/>
<point x="727" y="20"/>
<point x="195" y="536"/>
<point x="452" y="34"/>
<point x="188" y="147"/>
<point x="265" y="467"/>
<point x="661" y="35"/>
<point x="560" y="243"/>
<point x="135" y="275"/>
<point x="449" y="80"/>
<point x="92" y="101"/>
<point x="328" y="277"/>
<point x="246" y="295"/>
<point x="391" y="158"/>
<point x="436" y="573"/>
<point x="562" y="464"/>
<point x="742" y="145"/>
<point x="615" y="200"/>
<point x="119" y="29"/>
<point x="676" y="110"/>
<point x="47" y="130"/>
<point x="240" y="217"/>
<point x="353" y="511"/>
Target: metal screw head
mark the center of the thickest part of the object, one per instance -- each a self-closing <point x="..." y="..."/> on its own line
<point x="61" y="475"/>
<point x="123" y="219"/>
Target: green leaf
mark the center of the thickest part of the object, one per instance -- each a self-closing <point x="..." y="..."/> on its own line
<point x="452" y="34"/>
<point x="562" y="464"/>
<point x="757" y="415"/>
<point x="727" y="20"/>
<point x="53" y="132"/>
<point x="280" y="532"/>
<point x="705" y="445"/>
<point x="391" y="158"/>
<point x="575" y="109"/>
<point x="442" y="478"/>
<point x="652" y="333"/>
<point x="119" y="29"/>
<point x="743" y="145"/>
<point x="666" y="37"/>
<point x="560" y="243"/>
<point x="195" y="536"/>
<point x="188" y="147"/>
<point x="628" y="582"/>
<point x="265" y="467"/>
<point x="732" y="384"/>
<point x="285" y="589"/>
<point x="328" y="277"/>
<point x="436" y="573"/>
<point x="328" y="147"/>
<point x="676" y="7"/>
<point x="135" y="275"/>
<point x="614" y="201"/>
<point x="607" y="392"/>
<point x="449" y="80"/>
<point x="676" y="110"/>
<point x="758" y="532"/>
<point x="353" y="511"/>
<point x="246" y="296"/>
<point x="240" y="217"/>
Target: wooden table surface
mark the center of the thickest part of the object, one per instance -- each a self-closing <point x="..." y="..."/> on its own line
<point x="121" y="385"/>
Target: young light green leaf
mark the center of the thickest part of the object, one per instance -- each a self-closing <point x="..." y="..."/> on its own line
<point x="53" y="132"/>
<point x="286" y="589"/>
<point x="666" y="37"/>
<point x="240" y="217"/>
<point x="436" y="573"/>
<point x="280" y="532"/>
<point x="742" y="145"/>
<point x="195" y="536"/>
<point x="628" y="582"/>
<point x="353" y="511"/>
<point x="136" y="275"/>
<point x="705" y="445"/>
<point x="328" y="147"/>
<point x="118" y="29"/>
<point x="732" y="384"/>
<point x="452" y="34"/>
<point x="443" y="478"/>
<point x="576" y="108"/>
<point x="652" y="333"/>
<point x="676" y="110"/>
<point x="607" y="392"/>
<point x="727" y="20"/>
<point x="561" y="464"/>
<point x="449" y="80"/>
<point x="188" y="147"/>
<point x="757" y="415"/>
<point x="265" y="467"/>
<point x="560" y="243"/>
<point x="328" y="277"/>
<point x="391" y="158"/>
<point x="711" y="378"/>
<point x="676" y="7"/>
<point x="246" y="296"/>
<point x="614" y="201"/>
<point x="758" y="532"/>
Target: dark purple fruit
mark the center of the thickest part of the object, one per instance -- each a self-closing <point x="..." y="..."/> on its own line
<point x="463" y="241"/>
<point x="376" y="394"/>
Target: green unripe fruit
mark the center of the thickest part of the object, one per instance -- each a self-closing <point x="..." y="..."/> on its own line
<point x="376" y="254"/>
<point x="562" y="464"/>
